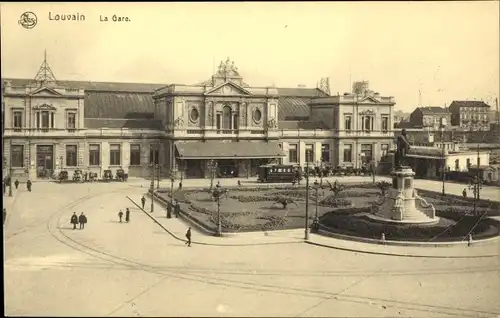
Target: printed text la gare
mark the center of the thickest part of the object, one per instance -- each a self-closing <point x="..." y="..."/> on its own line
<point x="114" y="18"/>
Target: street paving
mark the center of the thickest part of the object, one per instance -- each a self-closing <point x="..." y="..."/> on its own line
<point x="138" y="269"/>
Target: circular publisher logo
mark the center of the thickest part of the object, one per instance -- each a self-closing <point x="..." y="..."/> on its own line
<point x="28" y="20"/>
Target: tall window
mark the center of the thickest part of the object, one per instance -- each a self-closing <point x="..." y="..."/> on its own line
<point x="154" y="154"/>
<point x="115" y="155"/>
<point x="468" y="163"/>
<point x="292" y="153"/>
<point x="135" y="155"/>
<point x="325" y="152"/>
<point x="367" y="123"/>
<point x="309" y="153"/>
<point x="366" y="153"/>
<point x="384" y="148"/>
<point x="18" y="119"/>
<point x="226" y="118"/>
<point x="348" y="122"/>
<point x="235" y="121"/>
<point x="71" y="121"/>
<point x="71" y="155"/>
<point x="94" y="155"/>
<point x="16" y="156"/>
<point x="218" y="122"/>
<point x="457" y="165"/>
<point x="280" y="160"/>
<point x="45" y="119"/>
<point x="385" y="123"/>
<point x="347" y="153"/>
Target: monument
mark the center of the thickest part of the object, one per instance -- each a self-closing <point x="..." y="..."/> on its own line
<point x="402" y="204"/>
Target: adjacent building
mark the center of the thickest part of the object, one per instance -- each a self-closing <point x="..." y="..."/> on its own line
<point x="52" y="125"/>
<point x="470" y="115"/>
<point x="431" y="117"/>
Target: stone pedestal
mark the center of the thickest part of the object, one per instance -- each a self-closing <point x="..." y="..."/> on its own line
<point x="402" y="204"/>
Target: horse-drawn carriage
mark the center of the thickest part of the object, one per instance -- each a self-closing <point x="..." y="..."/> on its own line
<point x="121" y="175"/>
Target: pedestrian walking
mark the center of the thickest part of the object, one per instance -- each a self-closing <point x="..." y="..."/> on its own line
<point x="28" y="185"/>
<point x="127" y="215"/>
<point x="177" y="209"/>
<point x="4" y="215"/>
<point x="180" y="185"/>
<point x="82" y="219"/>
<point x="188" y="236"/>
<point x="16" y="184"/>
<point x="74" y="220"/>
<point x="464" y="193"/>
<point x="169" y="210"/>
<point x="120" y="215"/>
<point x="143" y="201"/>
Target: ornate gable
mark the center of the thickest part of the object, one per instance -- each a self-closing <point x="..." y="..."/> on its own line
<point x="44" y="106"/>
<point x="369" y="100"/>
<point x="228" y="88"/>
<point x="45" y="91"/>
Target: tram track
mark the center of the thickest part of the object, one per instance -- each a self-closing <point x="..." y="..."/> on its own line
<point x="191" y="275"/>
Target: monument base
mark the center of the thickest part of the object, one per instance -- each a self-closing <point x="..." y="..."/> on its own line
<point x="402" y="204"/>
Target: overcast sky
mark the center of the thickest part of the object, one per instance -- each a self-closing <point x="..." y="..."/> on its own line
<point x="447" y="50"/>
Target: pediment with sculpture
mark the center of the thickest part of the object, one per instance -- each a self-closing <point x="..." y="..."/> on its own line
<point x="228" y="88"/>
<point x="369" y="100"/>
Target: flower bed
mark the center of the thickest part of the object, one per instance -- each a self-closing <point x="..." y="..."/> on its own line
<point x="331" y="201"/>
<point x="445" y="230"/>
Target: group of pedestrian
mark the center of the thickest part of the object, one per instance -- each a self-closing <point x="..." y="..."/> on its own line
<point x="8" y="180"/>
<point x="81" y="219"/>
<point x="127" y="215"/>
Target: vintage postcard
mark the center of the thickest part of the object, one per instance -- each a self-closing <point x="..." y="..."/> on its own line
<point x="251" y="159"/>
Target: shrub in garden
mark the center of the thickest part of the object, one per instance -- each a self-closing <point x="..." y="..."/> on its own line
<point x="332" y="201"/>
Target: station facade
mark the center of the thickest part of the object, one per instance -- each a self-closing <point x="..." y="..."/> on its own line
<point x="51" y="125"/>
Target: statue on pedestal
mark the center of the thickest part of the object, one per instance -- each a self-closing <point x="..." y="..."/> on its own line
<point x="402" y="149"/>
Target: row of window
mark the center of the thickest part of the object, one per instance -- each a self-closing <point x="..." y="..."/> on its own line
<point x="293" y="156"/>
<point x="17" y="155"/>
<point x="44" y="120"/>
<point x="367" y="123"/>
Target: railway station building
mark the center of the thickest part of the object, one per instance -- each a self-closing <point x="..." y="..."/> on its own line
<point x="51" y="125"/>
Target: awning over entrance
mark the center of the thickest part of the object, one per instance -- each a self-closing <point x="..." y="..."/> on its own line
<point x="228" y="150"/>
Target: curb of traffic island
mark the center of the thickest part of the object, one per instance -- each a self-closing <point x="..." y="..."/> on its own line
<point x="197" y="225"/>
<point x="402" y="243"/>
<point x="387" y="253"/>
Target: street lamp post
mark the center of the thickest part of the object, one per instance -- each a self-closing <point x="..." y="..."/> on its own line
<point x="10" y="173"/>
<point x="374" y="169"/>
<point x="61" y="166"/>
<point x="443" y="160"/>
<point x="153" y="168"/>
<point x="217" y="194"/>
<point x="306" y="234"/>
<point x="172" y="180"/>
<point x="158" y="178"/>
<point x="212" y="166"/>
<point x="317" y="186"/>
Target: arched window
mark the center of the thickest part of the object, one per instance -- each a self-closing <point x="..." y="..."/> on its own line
<point x="226" y="118"/>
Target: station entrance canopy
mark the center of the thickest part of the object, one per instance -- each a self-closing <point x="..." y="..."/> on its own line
<point x="228" y="150"/>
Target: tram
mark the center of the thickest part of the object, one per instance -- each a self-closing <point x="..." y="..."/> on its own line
<point x="279" y="173"/>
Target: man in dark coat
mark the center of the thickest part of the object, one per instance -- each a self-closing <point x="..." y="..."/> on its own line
<point x="4" y="215"/>
<point x="177" y="209"/>
<point x="82" y="219"/>
<point x="74" y="220"/>
<point x="127" y="215"/>
<point x="169" y="211"/>
<point x="120" y="215"/>
<point x="28" y="185"/>
<point x="143" y="201"/>
<point x="188" y="236"/>
<point x="402" y="149"/>
<point x="16" y="184"/>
